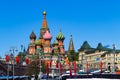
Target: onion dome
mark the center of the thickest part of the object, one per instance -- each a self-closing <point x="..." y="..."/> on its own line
<point x="60" y="36"/>
<point x="38" y="42"/>
<point x="32" y="35"/>
<point x="47" y="35"/>
<point x="55" y="42"/>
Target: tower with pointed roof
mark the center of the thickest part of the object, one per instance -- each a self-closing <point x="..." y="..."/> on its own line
<point x="85" y="46"/>
<point x="71" y="45"/>
<point x="99" y="47"/>
<point x="60" y="38"/>
<point x="32" y="37"/>
<point x="55" y="47"/>
<point x="31" y="46"/>
<point x="47" y="44"/>
<point x="44" y="25"/>
<point x="38" y="44"/>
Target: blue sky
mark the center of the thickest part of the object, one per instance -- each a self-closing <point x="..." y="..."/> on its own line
<point x="92" y="20"/>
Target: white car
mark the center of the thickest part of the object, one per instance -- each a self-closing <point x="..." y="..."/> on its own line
<point x="96" y="71"/>
<point x="68" y="72"/>
<point x="81" y="70"/>
<point x="107" y="71"/>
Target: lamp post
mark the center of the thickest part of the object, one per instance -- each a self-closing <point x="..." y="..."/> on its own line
<point x="114" y="58"/>
<point x="59" y="58"/>
<point x="82" y="61"/>
<point x="8" y="71"/>
<point x="40" y="64"/>
<point x="7" y="61"/>
<point x="59" y="64"/>
<point x="22" y="48"/>
<point x="13" y="50"/>
<point x="21" y="57"/>
<point x="40" y="52"/>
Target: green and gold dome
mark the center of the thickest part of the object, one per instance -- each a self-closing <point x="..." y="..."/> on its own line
<point x="55" y="42"/>
<point x="60" y="36"/>
<point x="38" y="42"/>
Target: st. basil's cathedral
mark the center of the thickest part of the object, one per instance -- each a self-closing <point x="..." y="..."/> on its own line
<point x="43" y="44"/>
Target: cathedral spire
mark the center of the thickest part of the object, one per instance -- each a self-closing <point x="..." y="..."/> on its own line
<point x="71" y="45"/>
<point x="44" y="23"/>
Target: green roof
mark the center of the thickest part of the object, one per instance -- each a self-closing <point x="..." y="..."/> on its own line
<point x="85" y="46"/>
<point x="38" y="42"/>
<point x="99" y="47"/>
<point x="55" y="42"/>
<point x="106" y="49"/>
<point x="90" y="51"/>
<point x="60" y="36"/>
<point x="117" y="51"/>
<point x="31" y="44"/>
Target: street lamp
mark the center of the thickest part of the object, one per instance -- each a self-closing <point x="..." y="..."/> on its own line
<point x="81" y="61"/>
<point x="7" y="61"/>
<point x="22" y="52"/>
<point x="40" y="52"/>
<point x="59" y="59"/>
<point x="13" y="50"/>
<point x="40" y="56"/>
<point x="22" y="48"/>
<point x="114" y="58"/>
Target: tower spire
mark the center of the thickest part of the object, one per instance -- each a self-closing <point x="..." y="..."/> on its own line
<point x="71" y="45"/>
<point x="44" y="23"/>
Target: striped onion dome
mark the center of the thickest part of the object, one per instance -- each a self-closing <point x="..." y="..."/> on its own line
<point x="60" y="36"/>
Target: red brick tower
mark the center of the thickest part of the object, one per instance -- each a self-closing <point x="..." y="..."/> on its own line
<point x="60" y="37"/>
<point x="47" y="42"/>
<point x="31" y="46"/>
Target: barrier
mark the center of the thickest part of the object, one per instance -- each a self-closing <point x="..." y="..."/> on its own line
<point x="92" y="77"/>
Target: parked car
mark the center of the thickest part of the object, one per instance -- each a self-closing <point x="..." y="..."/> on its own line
<point x="96" y="71"/>
<point x="82" y="72"/>
<point x="44" y="76"/>
<point x="68" y="72"/>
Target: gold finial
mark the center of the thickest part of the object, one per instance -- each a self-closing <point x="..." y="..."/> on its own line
<point x="44" y="12"/>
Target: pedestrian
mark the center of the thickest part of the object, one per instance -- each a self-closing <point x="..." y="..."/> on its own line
<point x="116" y="68"/>
<point x="109" y="68"/>
<point x="36" y="77"/>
